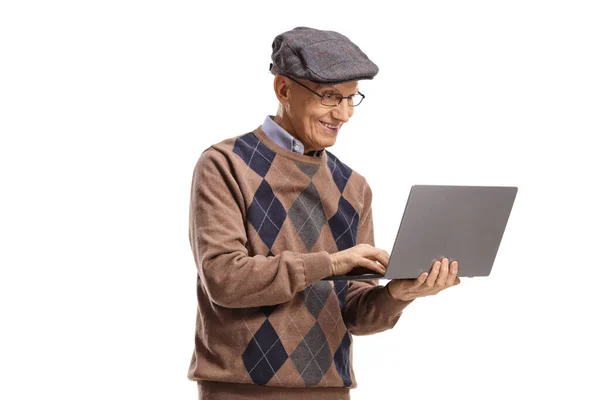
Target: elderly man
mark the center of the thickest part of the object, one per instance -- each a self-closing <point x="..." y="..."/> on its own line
<point x="272" y="213"/>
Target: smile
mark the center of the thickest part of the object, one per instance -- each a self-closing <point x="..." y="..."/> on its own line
<point x="332" y="128"/>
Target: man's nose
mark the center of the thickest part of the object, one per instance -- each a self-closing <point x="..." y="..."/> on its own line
<point x="343" y="111"/>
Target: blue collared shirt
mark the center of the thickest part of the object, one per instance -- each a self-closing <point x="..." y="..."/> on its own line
<point x="280" y="136"/>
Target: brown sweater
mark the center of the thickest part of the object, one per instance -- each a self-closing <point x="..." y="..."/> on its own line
<point x="263" y="221"/>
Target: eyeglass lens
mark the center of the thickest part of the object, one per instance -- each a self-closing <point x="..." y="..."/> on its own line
<point x="332" y="99"/>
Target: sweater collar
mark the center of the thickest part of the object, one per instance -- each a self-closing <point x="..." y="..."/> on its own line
<point x="280" y="136"/>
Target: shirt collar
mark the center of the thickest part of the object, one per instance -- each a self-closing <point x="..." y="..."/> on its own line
<point x="281" y="137"/>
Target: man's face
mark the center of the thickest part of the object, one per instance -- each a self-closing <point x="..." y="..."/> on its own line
<point x="313" y="123"/>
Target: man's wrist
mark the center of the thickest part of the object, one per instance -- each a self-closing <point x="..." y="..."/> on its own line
<point x="334" y="266"/>
<point x="387" y="288"/>
<point x="392" y="305"/>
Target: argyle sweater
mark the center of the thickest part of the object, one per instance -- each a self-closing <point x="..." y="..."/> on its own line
<point x="263" y="221"/>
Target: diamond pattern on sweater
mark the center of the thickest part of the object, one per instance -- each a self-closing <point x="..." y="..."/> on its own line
<point x="344" y="225"/>
<point x="308" y="216"/>
<point x="268" y="310"/>
<point x="315" y="297"/>
<point x="339" y="171"/>
<point x="266" y="213"/>
<point x="342" y="360"/>
<point x="256" y="155"/>
<point x="308" y="169"/>
<point x="341" y="291"/>
<point x="264" y="355"/>
<point x="312" y="357"/>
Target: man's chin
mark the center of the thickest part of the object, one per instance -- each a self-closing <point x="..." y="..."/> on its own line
<point x="328" y="143"/>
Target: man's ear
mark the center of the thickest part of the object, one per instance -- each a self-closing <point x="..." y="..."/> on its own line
<point x="281" y="85"/>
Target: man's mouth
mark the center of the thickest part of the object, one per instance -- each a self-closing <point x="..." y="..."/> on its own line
<point x="332" y="128"/>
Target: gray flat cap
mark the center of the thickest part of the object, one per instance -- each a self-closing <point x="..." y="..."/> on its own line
<point x="319" y="56"/>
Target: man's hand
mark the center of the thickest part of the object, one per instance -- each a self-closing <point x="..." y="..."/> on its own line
<point x="361" y="255"/>
<point x="440" y="278"/>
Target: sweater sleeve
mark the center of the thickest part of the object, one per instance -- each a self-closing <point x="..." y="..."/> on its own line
<point x="369" y="307"/>
<point x="217" y="233"/>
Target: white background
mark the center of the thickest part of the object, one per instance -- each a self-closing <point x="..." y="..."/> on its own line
<point x="106" y="106"/>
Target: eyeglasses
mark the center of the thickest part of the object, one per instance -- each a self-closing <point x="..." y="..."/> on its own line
<point x="334" y="99"/>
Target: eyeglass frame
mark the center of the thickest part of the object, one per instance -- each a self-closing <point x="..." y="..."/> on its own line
<point x="341" y="97"/>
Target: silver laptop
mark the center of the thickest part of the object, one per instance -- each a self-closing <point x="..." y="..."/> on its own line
<point x="463" y="223"/>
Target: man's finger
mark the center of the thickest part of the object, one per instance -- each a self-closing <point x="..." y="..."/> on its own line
<point x="452" y="273"/>
<point x="434" y="274"/>
<point x="387" y="256"/>
<point x="441" y="279"/>
<point x="382" y="258"/>
<point x="372" y="265"/>
<point x="421" y="279"/>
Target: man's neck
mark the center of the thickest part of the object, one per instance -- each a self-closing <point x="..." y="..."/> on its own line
<point x="287" y="126"/>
